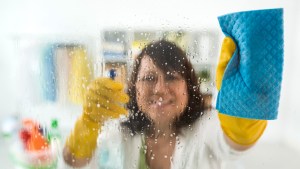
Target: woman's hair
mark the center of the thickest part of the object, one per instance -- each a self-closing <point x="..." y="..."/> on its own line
<point x="168" y="57"/>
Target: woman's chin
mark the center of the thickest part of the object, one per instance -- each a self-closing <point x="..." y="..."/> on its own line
<point x="162" y="118"/>
<point x="161" y="108"/>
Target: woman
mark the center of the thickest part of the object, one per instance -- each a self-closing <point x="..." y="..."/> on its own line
<point x="167" y="126"/>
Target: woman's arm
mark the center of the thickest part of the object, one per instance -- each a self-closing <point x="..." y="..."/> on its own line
<point x="82" y="142"/>
<point x="240" y="133"/>
<point x="102" y="101"/>
<point x="73" y="161"/>
<point x="235" y="146"/>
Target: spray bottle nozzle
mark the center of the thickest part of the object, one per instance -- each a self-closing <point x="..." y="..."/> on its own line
<point x="112" y="74"/>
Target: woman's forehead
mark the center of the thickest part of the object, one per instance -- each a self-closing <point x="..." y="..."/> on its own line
<point x="148" y="66"/>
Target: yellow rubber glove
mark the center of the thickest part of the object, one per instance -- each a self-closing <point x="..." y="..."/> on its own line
<point x="103" y="100"/>
<point x="240" y="130"/>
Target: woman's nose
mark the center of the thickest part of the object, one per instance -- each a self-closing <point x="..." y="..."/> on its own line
<point x="161" y="87"/>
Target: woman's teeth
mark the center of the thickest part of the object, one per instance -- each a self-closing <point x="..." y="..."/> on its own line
<point x="160" y="102"/>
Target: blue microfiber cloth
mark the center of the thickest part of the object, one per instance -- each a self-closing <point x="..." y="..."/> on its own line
<point x="252" y="80"/>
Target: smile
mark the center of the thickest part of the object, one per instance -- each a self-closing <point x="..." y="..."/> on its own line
<point x="161" y="103"/>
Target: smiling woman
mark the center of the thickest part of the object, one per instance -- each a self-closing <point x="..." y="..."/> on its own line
<point x="165" y="93"/>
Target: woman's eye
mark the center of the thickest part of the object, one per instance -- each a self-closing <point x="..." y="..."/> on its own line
<point x="149" y="78"/>
<point x="171" y="77"/>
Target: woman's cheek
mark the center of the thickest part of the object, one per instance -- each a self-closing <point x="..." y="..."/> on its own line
<point x="141" y="101"/>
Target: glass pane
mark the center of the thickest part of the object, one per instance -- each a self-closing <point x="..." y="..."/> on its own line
<point x="135" y="85"/>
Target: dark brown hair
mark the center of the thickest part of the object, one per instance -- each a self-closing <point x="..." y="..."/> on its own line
<point x="168" y="57"/>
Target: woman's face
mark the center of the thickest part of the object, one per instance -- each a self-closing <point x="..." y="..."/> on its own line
<point x="161" y="95"/>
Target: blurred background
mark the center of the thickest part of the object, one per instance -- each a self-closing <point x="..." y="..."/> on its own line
<point x="50" y="50"/>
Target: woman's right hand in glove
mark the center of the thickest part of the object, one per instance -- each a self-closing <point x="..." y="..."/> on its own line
<point x="104" y="99"/>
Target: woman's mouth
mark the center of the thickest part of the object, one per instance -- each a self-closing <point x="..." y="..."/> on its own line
<point x="159" y="103"/>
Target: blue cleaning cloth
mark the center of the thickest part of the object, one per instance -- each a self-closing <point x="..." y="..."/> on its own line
<point x="252" y="80"/>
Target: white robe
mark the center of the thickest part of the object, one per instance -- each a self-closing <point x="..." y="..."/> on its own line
<point x="201" y="145"/>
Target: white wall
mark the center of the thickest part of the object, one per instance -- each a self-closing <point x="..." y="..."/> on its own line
<point x="87" y="17"/>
